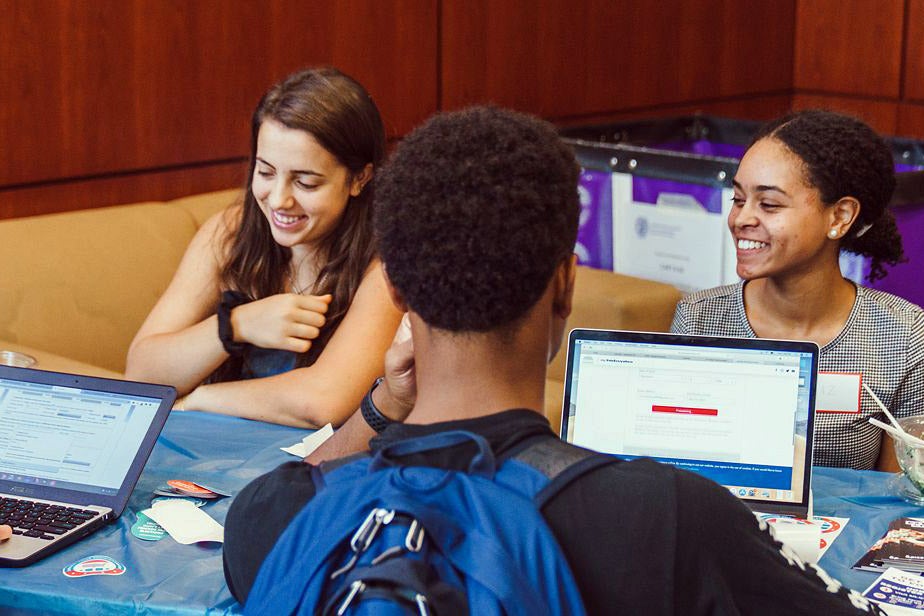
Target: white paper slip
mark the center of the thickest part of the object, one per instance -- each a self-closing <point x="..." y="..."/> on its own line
<point x="898" y="592"/>
<point x="185" y="522"/>
<point x="310" y="442"/>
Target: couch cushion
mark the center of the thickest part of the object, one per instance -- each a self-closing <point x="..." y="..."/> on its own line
<point x="201" y="207"/>
<point x="79" y="284"/>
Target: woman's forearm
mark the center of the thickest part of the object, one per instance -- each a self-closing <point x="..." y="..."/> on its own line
<point x="299" y="398"/>
<point x="182" y="359"/>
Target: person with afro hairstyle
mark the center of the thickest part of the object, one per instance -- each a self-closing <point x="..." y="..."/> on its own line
<point x="476" y="218"/>
<point x="811" y="184"/>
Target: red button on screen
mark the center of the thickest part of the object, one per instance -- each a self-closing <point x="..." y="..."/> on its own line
<point x="684" y="410"/>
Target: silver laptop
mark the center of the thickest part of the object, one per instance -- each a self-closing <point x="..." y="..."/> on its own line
<point x="71" y="451"/>
<point x="739" y="411"/>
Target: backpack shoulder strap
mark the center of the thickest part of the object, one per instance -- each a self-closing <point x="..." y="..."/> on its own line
<point x="560" y="462"/>
<point x="320" y="472"/>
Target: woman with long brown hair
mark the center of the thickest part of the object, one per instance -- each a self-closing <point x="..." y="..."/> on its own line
<point x="279" y="310"/>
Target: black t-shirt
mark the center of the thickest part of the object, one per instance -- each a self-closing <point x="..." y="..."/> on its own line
<point x="640" y="537"/>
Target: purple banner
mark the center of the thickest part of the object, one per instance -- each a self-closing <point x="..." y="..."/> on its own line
<point x="647" y="190"/>
<point x="594" y="246"/>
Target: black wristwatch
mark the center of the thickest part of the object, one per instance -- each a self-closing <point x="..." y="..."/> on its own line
<point x="229" y="301"/>
<point x="373" y="416"/>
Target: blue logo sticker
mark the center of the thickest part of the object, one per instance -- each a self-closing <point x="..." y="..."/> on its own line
<point x="94" y="565"/>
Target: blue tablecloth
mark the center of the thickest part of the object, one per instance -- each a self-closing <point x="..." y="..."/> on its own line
<point x="166" y="577"/>
<point x="868" y="499"/>
<point x="162" y="576"/>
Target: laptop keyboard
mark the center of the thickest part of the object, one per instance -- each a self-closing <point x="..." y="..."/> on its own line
<point x="42" y="520"/>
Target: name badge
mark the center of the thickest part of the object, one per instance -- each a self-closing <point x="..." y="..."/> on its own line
<point x="838" y="392"/>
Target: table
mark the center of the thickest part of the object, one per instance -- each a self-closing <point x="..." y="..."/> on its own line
<point x="161" y="577"/>
<point x="866" y="497"/>
<point x="165" y="577"/>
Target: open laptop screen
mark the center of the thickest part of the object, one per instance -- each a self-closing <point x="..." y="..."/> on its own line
<point x="738" y="411"/>
<point x="69" y="437"/>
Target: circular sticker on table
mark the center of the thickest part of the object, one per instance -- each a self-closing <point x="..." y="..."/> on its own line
<point x="147" y="529"/>
<point x="94" y="565"/>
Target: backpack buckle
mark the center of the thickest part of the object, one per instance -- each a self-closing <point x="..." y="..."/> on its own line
<point x="363" y="537"/>
<point x="355" y="588"/>
<point x="415" y="536"/>
<point x="367" y="531"/>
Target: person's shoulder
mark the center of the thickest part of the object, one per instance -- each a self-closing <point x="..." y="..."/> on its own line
<point x="713" y="295"/>
<point x="715" y="311"/>
<point x="629" y="476"/>
<point x="218" y="228"/>
<point x="894" y="310"/>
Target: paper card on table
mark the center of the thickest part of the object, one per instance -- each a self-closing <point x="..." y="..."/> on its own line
<point x="838" y="392"/>
<point x="901" y="591"/>
<point x="831" y="527"/>
<point x="189" y="488"/>
<point x="310" y="442"/>
<point x="185" y="522"/>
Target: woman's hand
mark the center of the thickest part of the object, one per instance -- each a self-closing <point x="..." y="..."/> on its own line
<point x="285" y="321"/>
<point x="5" y="532"/>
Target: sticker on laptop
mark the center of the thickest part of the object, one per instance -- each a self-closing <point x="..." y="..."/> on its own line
<point x="94" y="565"/>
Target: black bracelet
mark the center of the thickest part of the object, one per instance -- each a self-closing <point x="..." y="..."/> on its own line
<point x="229" y="301"/>
<point x="373" y="416"/>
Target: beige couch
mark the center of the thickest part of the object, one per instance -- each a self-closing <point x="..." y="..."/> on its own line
<point x="75" y="287"/>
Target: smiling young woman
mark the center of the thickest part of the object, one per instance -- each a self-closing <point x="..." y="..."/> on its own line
<point x="279" y="310"/>
<point x="811" y="184"/>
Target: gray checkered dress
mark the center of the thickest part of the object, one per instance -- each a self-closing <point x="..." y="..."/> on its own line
<point x="883" y="340"/>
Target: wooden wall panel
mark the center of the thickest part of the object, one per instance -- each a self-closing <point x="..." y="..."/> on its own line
<point x="94" y="90"/>
<point x="849" y="46"/>
<point x="914" y="51"/>
<point x="564" y="59"/>
<point x="882" y="115"/>
<point x="117" y="190"/>
<point x="911" y="120"/>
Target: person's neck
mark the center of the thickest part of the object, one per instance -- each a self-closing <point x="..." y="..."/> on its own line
<point x="813" y="305"/>
<point x="463" y="376"/>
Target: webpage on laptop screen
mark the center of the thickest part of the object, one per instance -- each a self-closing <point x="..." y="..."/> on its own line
<point x="70" y="438"/>
<point x="735" y="416"/>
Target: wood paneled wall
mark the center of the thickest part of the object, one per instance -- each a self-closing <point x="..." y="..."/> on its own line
<point x="117" y="101"/>
<point x="863" y="57"/>
<point x="566" y="60"/>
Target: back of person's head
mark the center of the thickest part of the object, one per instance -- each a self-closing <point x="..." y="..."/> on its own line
<point x="843" y="157"/>
<point x="474" y="212"/>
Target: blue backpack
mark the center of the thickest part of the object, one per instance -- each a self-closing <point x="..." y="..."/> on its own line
<point x="383" y="538"/>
